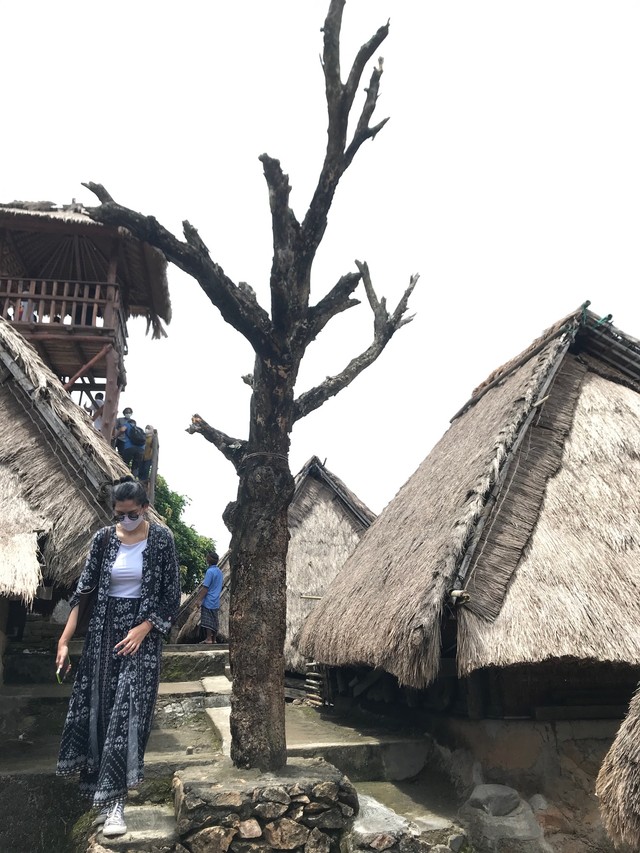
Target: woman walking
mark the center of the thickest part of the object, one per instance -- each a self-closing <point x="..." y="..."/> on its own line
<point x="135" y="568"/>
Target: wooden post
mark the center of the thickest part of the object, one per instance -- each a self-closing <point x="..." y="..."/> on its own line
<point x="112" y="389"/>
<point x="153" y="473"/>
<point x="112" y="272"/>
<point x="112" y="394"/>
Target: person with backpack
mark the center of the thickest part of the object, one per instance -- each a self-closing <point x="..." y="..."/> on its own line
<point x="130" y="441"/>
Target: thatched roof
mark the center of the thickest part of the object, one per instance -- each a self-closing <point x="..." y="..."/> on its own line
<point x="522" y="522"/>
<point x="326" y="521"/>
<point x="618" y="783"/>
<point x="53" y="469"/>
<point x="58" y="243"/>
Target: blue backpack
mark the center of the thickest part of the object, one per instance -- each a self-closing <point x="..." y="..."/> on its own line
<point x="136" y="435"/>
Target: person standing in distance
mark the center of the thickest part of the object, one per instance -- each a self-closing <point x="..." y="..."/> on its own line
<point x="209" y="598"/>
<point x="134" y="566"/>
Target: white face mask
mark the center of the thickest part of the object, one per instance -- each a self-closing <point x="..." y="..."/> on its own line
<point x="128" y="524"/>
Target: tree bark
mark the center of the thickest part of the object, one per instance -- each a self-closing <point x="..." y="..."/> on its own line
<point x="258" y="554"/>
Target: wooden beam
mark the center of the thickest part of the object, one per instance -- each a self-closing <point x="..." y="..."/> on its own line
<point x="87" y="367"/>
<point x="111" y="396"/>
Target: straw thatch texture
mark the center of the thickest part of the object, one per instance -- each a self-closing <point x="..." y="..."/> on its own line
<point x="52" y="462"/>
<point x="576" y="591"/>
<point x="385" y="607"/>
<point x="326" y="521"/>
<point x="618" y="783"/>
<point x="518" y="499"/>
<point x="324" y="533"/>
<point x="78" y="241"/>
<point x="20" y="572"/>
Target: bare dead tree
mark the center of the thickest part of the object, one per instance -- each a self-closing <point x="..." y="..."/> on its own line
<point x="258" y="518"/>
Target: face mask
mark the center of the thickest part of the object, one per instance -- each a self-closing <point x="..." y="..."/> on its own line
<point x="128" y="524"/>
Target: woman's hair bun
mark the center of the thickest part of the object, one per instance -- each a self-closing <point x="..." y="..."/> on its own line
<point x="127" y="479"/>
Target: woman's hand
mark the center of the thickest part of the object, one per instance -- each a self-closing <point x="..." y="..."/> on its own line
<point x="132" y="642"/>
<point x="63" y="663"/>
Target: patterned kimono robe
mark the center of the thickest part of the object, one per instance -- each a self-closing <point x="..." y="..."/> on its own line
<point x="113" y="698"/>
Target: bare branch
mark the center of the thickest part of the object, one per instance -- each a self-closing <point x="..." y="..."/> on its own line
<point x="289" y="294"/>
<point x="331" y="62"/>
<point x="98" y="190"/>
<point x="236" y="306"/>
<point x="363" y="131"/>
<point x="231" y="448"/>
<point x="339" y="102"/>
<point x="385" y="326"/>
<point x="359" y="63"/>
<point x="335" y="302"/>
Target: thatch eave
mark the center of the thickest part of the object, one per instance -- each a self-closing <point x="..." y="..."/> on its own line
<point x="142" y="268"/>
<point x="52" y="461"/>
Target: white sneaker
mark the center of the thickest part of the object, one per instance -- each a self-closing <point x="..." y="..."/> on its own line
<point x="114" y="824"/>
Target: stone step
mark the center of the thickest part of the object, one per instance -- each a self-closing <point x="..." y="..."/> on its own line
<point x="32" y="717"/>
<point x="422" y="808"/>
<point x="148" y="827"/>
<point x="362" y="752"/>
<point x="28" y="664"/>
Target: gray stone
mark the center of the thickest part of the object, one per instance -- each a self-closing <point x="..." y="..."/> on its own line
<point x="456" y="842"/>
<point x="295" y="811"/>
<point x="538" y="803"/>
<point x="240" y="846"/>
<point x="285" y="834"/>
<point x="348" y="795"/>
<point x="331" y="819"/>
<point x="440" y="848"/>
<point x="382" y="842"/>
<point x="317" y="842"/>
<point x="275" y="794"/>
<point x="315" y="808"/>
<point x="249" y="829"/>
<point x="497" y="832"/>
<point x="347" y="811"/>
<point x="300" y="798"/>
<point x="494" y="799"/>
<point x="269" y="811"/>
<point x="325" y="791"/>
<point x="214" y="839"/>
<point x="412" y="844"/>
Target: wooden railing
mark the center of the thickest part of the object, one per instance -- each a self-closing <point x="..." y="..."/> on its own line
<point x="80" y="304"/>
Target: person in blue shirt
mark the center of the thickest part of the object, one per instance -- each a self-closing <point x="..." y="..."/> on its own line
<point x="209" y="598"/>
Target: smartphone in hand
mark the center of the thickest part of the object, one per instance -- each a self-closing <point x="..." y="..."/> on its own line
<point x="63" y="671"/>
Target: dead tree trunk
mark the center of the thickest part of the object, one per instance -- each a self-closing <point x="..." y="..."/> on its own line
<point x="260" y="536"/>
<point x="258" y="518"/>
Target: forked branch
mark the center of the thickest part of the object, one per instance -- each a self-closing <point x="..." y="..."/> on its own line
<point x="340" y="97"/>
<point x="385" y="325"/>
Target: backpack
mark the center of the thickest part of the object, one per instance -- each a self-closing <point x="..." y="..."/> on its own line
<point x="136" y="435"/>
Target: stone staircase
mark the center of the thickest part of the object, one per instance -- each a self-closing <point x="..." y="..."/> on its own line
<point x="400" y="810"/>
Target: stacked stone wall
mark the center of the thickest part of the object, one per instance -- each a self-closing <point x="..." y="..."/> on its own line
<point x="308" y="807"/>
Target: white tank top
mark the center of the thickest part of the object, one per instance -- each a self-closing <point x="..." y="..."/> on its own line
<point x="126" y="574"/>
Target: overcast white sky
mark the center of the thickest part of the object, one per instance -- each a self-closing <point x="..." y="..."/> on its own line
<point x="508" y="177"/>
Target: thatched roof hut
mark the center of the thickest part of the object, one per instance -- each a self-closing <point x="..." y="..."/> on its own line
<point x="618" y="784"/>
<point x="521" y="526"/>
<point x="41" y="241"/>
<point x="326" y="521"/>
<point x="53" y="467"/>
